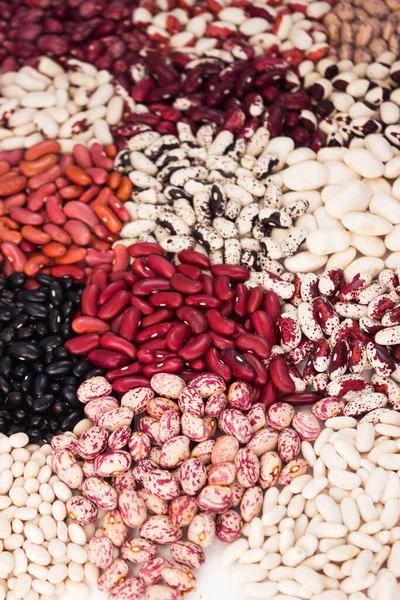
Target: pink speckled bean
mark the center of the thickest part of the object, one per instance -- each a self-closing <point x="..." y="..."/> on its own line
<point x="113" y="419"/>
<point x="201" y="530"/>
<point x="150" y="572"/>
<point x="133" y="509"/>
<point x="95" y="408"/>
<point x="198" y="429"/>
<point x="289" y="445"/>
<point x="280" y="415"/>
<point x="124" y="481"/>
<point x="81" y="510"/>
<point x="239" y="395"/>
<point x="119" y="438"/>
<point x="193" y="476"/>
<point x="215" y="404"/>
<point x="228" y="526"/>
<point x="214" y="498"/>
<point x="114" y="527"/>
<point x="190" y="401"/>
<point x="234" y="422"/>
<point x="100" y="492"/>
<point x="182" y="510"/>
<point x="153" y="503"/>
<point x="129" y="589"/>
<point x="178" y="578"/>
<point x="270" y="468"/>
<point x="251" y="504"/>
<point x="170" y="425"/>
<point x="112" y="463"/>
<point x="68" y="470"/>
<point x="248" y="467"/>
<point x="138" y="550"/>
<point x="167" y="384"/>
<point x="160" y="530"/>
<point x="139" y="445"/>
<point x="225" y="449"/>
<point x="175" y="451"/>
<point x="162" y="592"/>
<point x="100" y="552"/>
<point x="137" y="399"/>
<point x="189" y="554"/>
<point x="93" y="388"/>
<point x="221" y="474"/>
<point x="207" y="384"/>
<point x="66" y="441"/>
<point x="112" y="576"/>
<point x="306" y="425"/>
<point x="92" y="443"/>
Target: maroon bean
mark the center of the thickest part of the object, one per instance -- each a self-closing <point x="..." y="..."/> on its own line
<point x="83" y="343"/>
<point x="241" y="369"/>
<point x="183" y="284"/>
<point x="144" y="249"/>
<point x="156" y="344"/>
<point x="222" y="288"/>
<point x="130" y="323"/>
<point x="302" y="398"/>
<point x="111" y="290"/>
<point x="124" y="384"/>
<point x="215" y="365"/>
<point x="227" y="307"/>
<point x="160" y="265"/>
<point x="197" y="364"/>
<point x="208" y="284"/>
<point x="190" y="271"/>
<point x="220" y="324"/>
<point x="141" y="270"/>
<point x="107" y="359"/>
<point x="89" y="301"/>
<point x="177" y="336"/>
<point x="148" y="357"/>
<point x="271" y="305"/>
<point x="155" y="331"/>
<point x="118" y="344"/>
<point x="264" y="326"/>
<point x="160" y="316"/>
<point x="168" y="299"/>
<point x="255" y="300"/>
<point x="144" y="306"/>
<point x="220" y="341"/>
<point x="133" y="369"/>
<point x="114" y="306"/>
<point x="99" y="277"/>
<point x="169" y="365"/>
<point x="191" y="257"/>
<point x="241" y="296"/>
<point x="150" y="285"/>
<point x="269" y="394"/>
<point x="203" y="300"/>
<point x="196" y="346"/>
<point x="253" y="343"/>
<point x="279" y="373"/>
<point x="234" y="272"/>
<point x="261" y="377"/>
<point x="194" y="318"/>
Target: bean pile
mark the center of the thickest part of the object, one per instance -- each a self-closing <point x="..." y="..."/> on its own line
<point x="38" y="376"/>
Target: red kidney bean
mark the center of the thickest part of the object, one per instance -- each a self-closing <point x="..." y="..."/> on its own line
<point x="82" y="156"/>
<point x="254" y="300"/>
<point x="82" y="212"/>
<point x="150" y="285"/>
<point x="83" y="343"/>
<point x="208" y="284"/>
<point x="195" y="346"/>
<point x="234" y="272"/>
<point x="25" y="216"/>
<point x="214" y="364"/>
<point x="222" y="288"/>
<point x="197" y="365"/>
<point x="165" y="314"/>
<point x="35" y="235"/>
<point x="269" y="394"/>
<point x="106" y="359"/>
<point x="130" y="323"/>
<point x="155" y="331"/>
<point x="169" y="365"/>
<point x="89" y="301"/>
<point x="302" y="398"/>
<point x="118" y="344"/>
<point x="111" y="290"/>
<point x="220" y="341"/>
<point x="220" y="324"/>
<point x="155" y="344"/>
<point x="279" y="373"/>
<point x="47" y="176"/>
<point x="148" y="357"/>
<point x="16" y="257"/>
<point x="78" y="231"/>
<point x="227" y="307"/>
<point x="191" y="257"/>
<point x="241" y="369"/>
<point x="194" y="318"/>
<point x="57" y="234"/>
<point x="135" y="368"/>
<point x="271" y="305"/>
<point x="141" y="270"/>
<point x="54" y="212"/>
<point x="121" y="258"/>
<point x="114" y="306"/>
<point x="89" y="325"/>
<point x="145" y="307"/>
<point x="68" y="271"/>
<point x="183" y="284"/>
<point x="37" y="198"/>
<point x="177" y="336"/>
<point x="99" y="176"/>
<point x="203" y="301"/>
<point x="264" y="326"/>
<point x="124" y="384"/>
<point x="96" y="259"/>
<point x="253" y="343"/>
<point x="241" y="296"/>
<point x="42" y="148"/>
<point x="190" y="271"/>
<point x="261" y="377"/>
<point x="160" y="265"/>
<point x="168" y="299"/>
<point x="99" y="277"/>
<point x="142" y="249"/>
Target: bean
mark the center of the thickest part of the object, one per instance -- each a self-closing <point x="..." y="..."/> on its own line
<point x="280" y="375"/>
<point x="41" y="149"/>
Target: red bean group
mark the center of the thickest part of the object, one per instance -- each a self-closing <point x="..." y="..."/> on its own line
<point x="161" y="318"/>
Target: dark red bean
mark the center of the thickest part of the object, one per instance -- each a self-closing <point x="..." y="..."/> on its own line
<point x="111" y="290"/>
<point x="203" y="301"/>
<point x="208" y="284"/>
<point x="170" y="365"/>
<point x="168" y="299"/>
<point x="150" y="285"/>
<point x="124" y="384"/>
<point x="249" y="342"/>
<point x="114" y="306"/>
<point x="215" y="365"/>
<point x="155" y="331"/>
<point x="269" y="394"/>
<point x="227" y="307"/>
<point x="90" y="298"/>
<point x="165" y="314"/>
<point x="196" y="346"/>
<point x="264" y="326"/>
<point x="194" y="318"/>
<point x="189" y="271"/>
<point x="116" y="323"/>
<point x="144" y="249"/>
<point x="261" y="377"/>
<point x="83" y="343"/>
<point x="271" y="305"/>
<point x="255" y="300"/>
<point x="220" y="341"/>
<point x="241" y="296"/>
<point x="191" y="257"/>
<point x="139" y="268"/>
<point x="198" y="364"/>
<point x="148" y="357"/>
<point x="177" y="336"/>
<point x="280" y="376"/>
<point x="99" y="277"/>
<point x="234" y="272"/>
<point x="107" y="359"/>
<point x="118" y="344"/>
<point x="156" y="344"/>
<point x="89" y="325"/>
<point x="222" y="288"/>
<point x="144" y="306"/>
<point x="183" y="284"/>
<point x="135" y="368"/>
<point x="160" y="265"/>
<point x="241" y="369"/>
<point x="299" y="398"/>
<point x="220" y="324"/>
<point x="130" y="323"/>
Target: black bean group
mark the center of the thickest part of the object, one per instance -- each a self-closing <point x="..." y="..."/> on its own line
<point x="38" y="377"/>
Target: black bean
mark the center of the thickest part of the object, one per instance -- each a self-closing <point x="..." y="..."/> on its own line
<point x="14" y="400"/>
<point x="42" y="328"/>
<point x="42" y="404"/>
<point x="61" y="409"/>
<point x="69" y="380"/>
<point x="34" y="295"/>
<point x="61" y="353"/>
<point x="5" y="315"/>
<point x="67" y="309"/>
<point x="94" y="373"/>
<point x="54" y="320"/>
<point x="20" y="415"/>
<point x="69" y="422"/>
<point x="25" y="351"/>
<point x="36" y="310"/>
<point x="20" y="320"/>
<point x="3" y="425"/>
<point x="16" y="280"/>
<point x="24" y="333"/>
<point x="27" y="383"/>
<point x="5" y="366"/>
<point x="59" y="367"/>
<point x="7" y="335"/>
<point x="56" y="293"/>
<point x="40" y="385"/>
<point x="35" y="435"/>
<point x="81" y="369"/>
<point x="36" y="421"/>
<point x="5" y="386"/>
<point x="50" y="342"/>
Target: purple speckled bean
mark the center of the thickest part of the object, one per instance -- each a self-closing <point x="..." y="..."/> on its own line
<point x="129" y="589"/>
<point x="65" y="441"/>
<point x="248" y="467"/>
<point x="251" y="504"/>
<point x="201" y="530"/>
<point x="215" y="404"/>
<point x="190" y="401"/>
<point x="161" y="483"/>
<point x="100" y="492"/>
<point x="93" y="388"/>
<point x="234" y="422"/>
<point x="182" y="510"/>
<point x="113" y="419"/>
<point x="139" y="445"/>
<point x="124" y="481"/>
<point x="151" y="426"/>
<point x="119" y="438"/>
<point x="160" y="530"/>
<point x="207" y="384"/>
<point x="92" y="443"/>
<point x="193" y="476"/>
<point x="162" y="592"/>
<point x="112" y="463"/>
<point x="221" y="474"/>
<point x="170" y="425"/>
<point x="95" y="408"/>
<point x="150" y="572"/>
<point x="198" y="429"/>
<point x="133" y="509"/>
<point x="88" y="468"/>
<point x="189" y="554"/>
<point x="114" y="527"/>
<point x="178" y="577"/>
<point x="116" y="572"/>
<point x="228" y="526"/>
<point x="137" y="399"/>
<point x="68" y="470"/>
<point x="306" y="425"/>
<point x="293" y="469"/>
<point x="203" y="451"/>
<point x="289" y="445"/>
<point x="257" y="417"/>
<point x="81" y="510"/>
<point x="153" y="503"/>
<point x="239" y="395"/>
<point x="280" y="415"/>
<point x="138" y="550"/>
<point x="225" y="449"/>
<point x="215" y="498"/>
<point x="174" y="452"/>
<point x="270" y="468"/>
<point x="100" y="552"/>
<point x="167" y="384"/>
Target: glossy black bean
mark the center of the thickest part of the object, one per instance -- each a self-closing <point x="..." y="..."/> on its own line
<point x="41" y="384"/>
<point x="94" y="373"/>
<point x="67" y="309"/>
<point x="16" y="386"/>
<point x="27" y="383"/>
<point x="45" y="280"/>
<point x="24" y="333"/>
<point x="50" y="342"/>
<point x="36" y="421"/>
<point x="20" y="415"/>
<point x="5" y="315"/>
<point x="7" y="335"/>
<point x="68" y="423"/>
<point x="16" y="280"/>
<point x="36" y="310"/>
<point x="5" y="386"/>
<point x="54" y="320"/>
<point x="38" y="367"/>
<point x="66" y="331"/>
<point x="13" y="401"/>
<point x="37" y="295"/>
<point x="35" y="435"/>
<point x="81" y="369"/>
<point x="59" y="367"/>
<point x="13" y="428"/>
<point x="3" y="425"/>
<point x="42" y="404"/>
<point x="69" y="380"/>
<point x="61" y="409"/>
<point x="20" y="370"/>
<point x="68" y="393"/>
<point x="48" y="358"/>
<point x="25" y="351"/>
<point x="5" y="366"/>
<point x="61" y="353"/>
<point x="56" y="293"/>
<point x="42" y="328"/>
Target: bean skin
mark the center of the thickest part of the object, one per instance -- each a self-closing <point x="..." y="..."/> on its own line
<point x="280" y="375"/>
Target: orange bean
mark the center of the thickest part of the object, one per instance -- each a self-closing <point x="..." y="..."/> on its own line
<point x="102" y="198"/>
<point x="33" y="167"/>
<point x="35" y="263"/>
<point x="13" y="185"/>
<point x="90" y="193"/>
<point x="42" y="148"/>
<point x="71" y="191"/>
<point x="9" y="223"/>
<point x="54" y="250"/>
<point x="72" y="256"/>
<point x="7" y="235"/>
<point x="111" y="150"/>
<point x="4" y="167"/>
<point x="35" y="235"/>
<point x="114" y="179"/>
<point x="8" y="175"/>
<point x="109" y="218"/>
<point x="125" y="189"/>
<point x="77" y="175"/>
